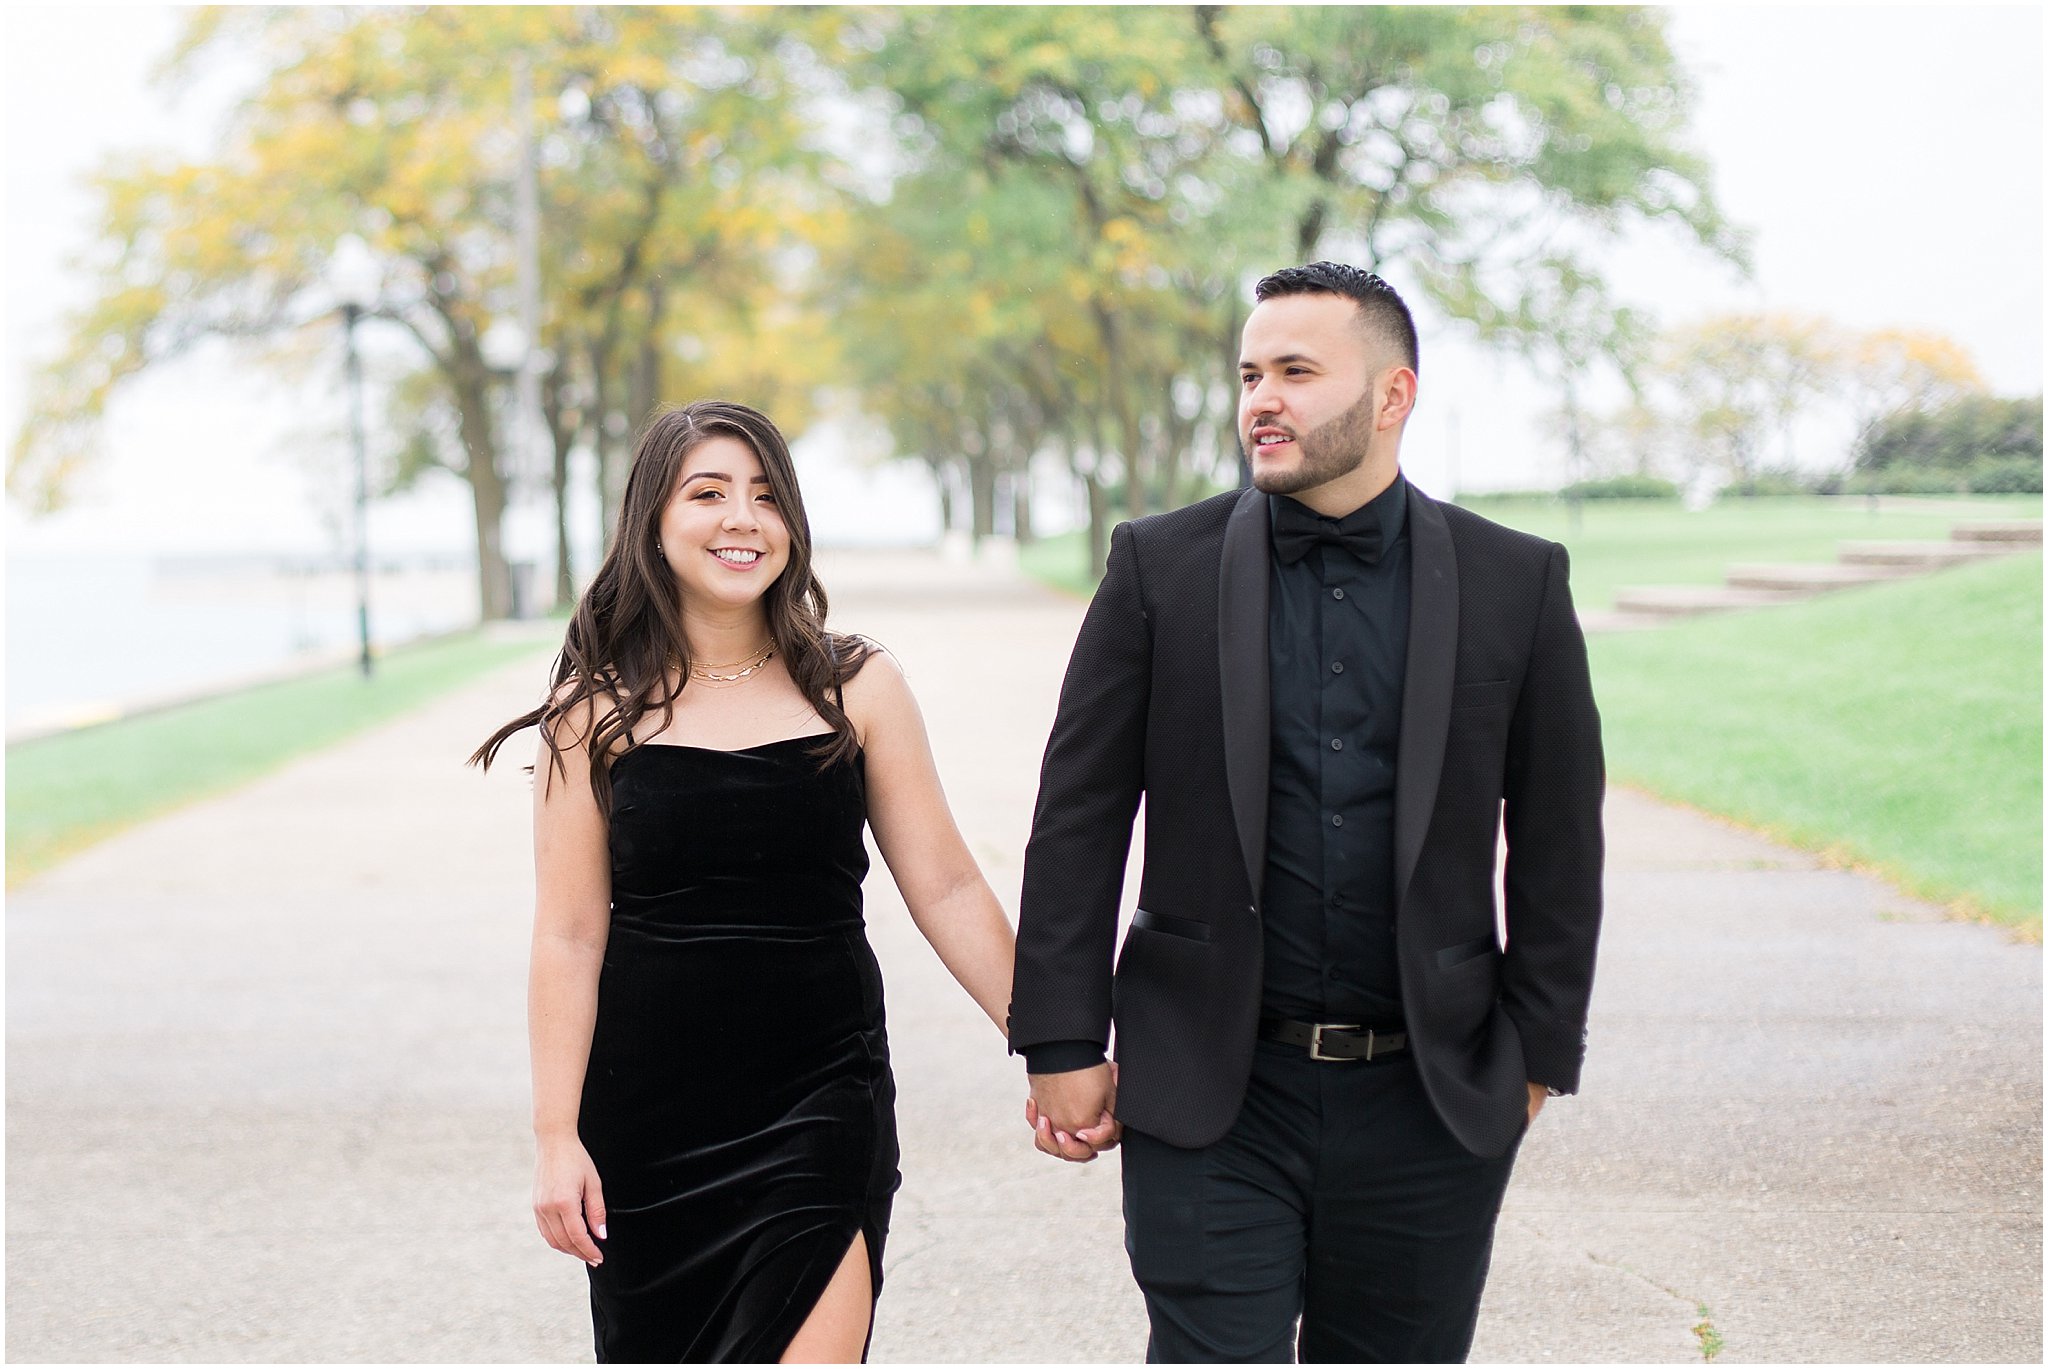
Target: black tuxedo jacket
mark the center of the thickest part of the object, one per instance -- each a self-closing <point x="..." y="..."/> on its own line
<point x="1166" y="699"/>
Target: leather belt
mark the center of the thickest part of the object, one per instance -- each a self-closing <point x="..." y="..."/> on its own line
<point x="1335" y="1040"/>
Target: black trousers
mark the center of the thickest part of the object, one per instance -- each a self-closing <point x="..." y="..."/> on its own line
<point x="1337" y="1200"/>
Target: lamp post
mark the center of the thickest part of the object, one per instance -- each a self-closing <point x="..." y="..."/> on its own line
<point x="508" y="354"/>
<point x="354" y="281"/>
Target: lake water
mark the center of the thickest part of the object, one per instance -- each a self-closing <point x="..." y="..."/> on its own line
<point x="91" y="634"/>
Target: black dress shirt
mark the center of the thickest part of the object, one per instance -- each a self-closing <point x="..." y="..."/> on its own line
<point x="1337" y="648"/>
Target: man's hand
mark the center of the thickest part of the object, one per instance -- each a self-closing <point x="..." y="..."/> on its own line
<point x="1072" y="1114"/>
<point x="1539" y="1094"/>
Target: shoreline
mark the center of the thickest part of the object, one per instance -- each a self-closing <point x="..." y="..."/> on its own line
<point x="84" y="717"/>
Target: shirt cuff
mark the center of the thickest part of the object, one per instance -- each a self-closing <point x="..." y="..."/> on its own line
<point x="1062" y="1057"/>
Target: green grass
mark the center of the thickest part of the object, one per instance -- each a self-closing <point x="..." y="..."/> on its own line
<point x="1061" y="562"/>
<point x="1896" y="727"/>
<point x="68" y="791"/>
<point x="1637" y="542"/>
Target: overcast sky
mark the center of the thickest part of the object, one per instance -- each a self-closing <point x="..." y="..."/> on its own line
<point x="1887" y="159"/>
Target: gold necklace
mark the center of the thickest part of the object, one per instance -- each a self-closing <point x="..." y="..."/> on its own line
<point x="751" y="664"/>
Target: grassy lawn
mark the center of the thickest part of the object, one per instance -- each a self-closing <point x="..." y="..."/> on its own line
<point x="1636" y="542"/>
<point x="1061" y="562"/>
<point x="1896" y="727"/>
<point x="68" y="791"/>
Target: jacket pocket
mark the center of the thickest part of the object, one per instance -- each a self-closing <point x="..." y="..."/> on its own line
<point x="1171" y="925"/>
<point x="1482" y="693"/>
<point x="1451" y="957"/>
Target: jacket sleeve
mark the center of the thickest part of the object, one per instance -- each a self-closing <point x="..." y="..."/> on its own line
<point x="1553" y="786"/>
<point x="1088" y="791"/>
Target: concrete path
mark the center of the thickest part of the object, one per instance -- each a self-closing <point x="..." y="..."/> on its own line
<point x="267" y="1087"/>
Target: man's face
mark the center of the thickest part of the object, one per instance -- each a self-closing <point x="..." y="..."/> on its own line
<point x="1306" y="395"/>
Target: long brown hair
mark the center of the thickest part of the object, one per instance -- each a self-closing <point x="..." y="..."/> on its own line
<point x="628" y="626"/>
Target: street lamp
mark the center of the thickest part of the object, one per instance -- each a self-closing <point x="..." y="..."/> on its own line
<point x="353" y="276"/>
<point x="508" y="351"/>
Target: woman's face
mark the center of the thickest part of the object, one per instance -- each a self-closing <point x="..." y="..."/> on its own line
<point x="721" y="533"/>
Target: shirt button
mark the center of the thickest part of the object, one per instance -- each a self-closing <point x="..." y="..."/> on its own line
<point x="1336" y="667"/>
<point x="1337" y="820"/>
<point x="1336" y="594"/>
<point x="1336" y="743"/>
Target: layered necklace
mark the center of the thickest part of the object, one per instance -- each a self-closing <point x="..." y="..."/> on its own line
<point x="741" y="669"/>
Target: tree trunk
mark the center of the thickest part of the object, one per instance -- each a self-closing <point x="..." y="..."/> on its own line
<point x="611" y="469"/>
<point x="1098" y="525"/>
<point x="941" y="479"/>
<point x="563" y="434"/>
<point x="1020" y="504"/>
<point x="646" y="390"/>
<point x="1231" y="439"/>
<point x="486" y="481"/>
<point x="1137" y="489"/>
<point x="1576" y="448"/>
<point x="981" y="484"/>
<point x="1310" y="232"/>
<point x="1120" y="399"/>
<point x="1176" y="436"/>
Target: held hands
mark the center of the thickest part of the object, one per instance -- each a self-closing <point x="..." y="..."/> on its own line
<point x="568" y="1203"/>
<point x="1072" y="1115"/>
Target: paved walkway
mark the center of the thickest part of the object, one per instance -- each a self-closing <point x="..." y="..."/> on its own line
<point x="267" y="1089"/>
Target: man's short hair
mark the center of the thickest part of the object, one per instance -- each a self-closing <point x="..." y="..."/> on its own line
<point x="1382" y="312"/>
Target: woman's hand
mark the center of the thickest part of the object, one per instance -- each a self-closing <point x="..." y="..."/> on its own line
<point x="568" y="1201"/>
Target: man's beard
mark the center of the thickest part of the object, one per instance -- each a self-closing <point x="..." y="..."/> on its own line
<point x="1332" y="449"/>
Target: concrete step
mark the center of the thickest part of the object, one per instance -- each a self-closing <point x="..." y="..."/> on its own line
<point x="1925" y="555"/>
<point x="1677" y="601"/>
<point x="1812" y="577"/>
<point x="2024" y="531"/>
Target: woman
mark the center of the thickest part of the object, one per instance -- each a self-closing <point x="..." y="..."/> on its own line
<point x="713" y="1106"/>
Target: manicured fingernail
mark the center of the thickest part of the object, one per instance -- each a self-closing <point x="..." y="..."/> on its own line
<point x="600" y="1231"/>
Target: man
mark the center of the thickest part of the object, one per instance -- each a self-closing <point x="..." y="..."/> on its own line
<point x="1332" y="693"/>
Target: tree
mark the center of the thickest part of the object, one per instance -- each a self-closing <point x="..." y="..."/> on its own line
<point x="1490" y="152"/>
<point x="1054" y="205"/>
<point x="1566" y="325"/>
<point x="395" y="126"/>
<point x="943" y="337"/>
<point x="1738" y="380"/>
<point x="1893" y="371"/>
<point x="1966" y="431"/>
<point x="1638" y="439"/>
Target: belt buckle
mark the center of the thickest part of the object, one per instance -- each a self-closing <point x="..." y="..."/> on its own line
<point x="1315" y="1041"/>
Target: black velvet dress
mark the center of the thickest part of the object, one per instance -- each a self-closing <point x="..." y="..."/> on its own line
<point x="738" y="1104"/>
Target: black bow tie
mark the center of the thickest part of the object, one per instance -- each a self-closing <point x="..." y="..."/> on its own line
<point x="1296" y="529"/>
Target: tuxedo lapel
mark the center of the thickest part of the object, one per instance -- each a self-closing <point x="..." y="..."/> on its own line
<point x="1426" y="688"/>
<point x="1244" y="673"/>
